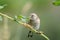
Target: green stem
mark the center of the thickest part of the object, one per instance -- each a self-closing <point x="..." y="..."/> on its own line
<point x="45" y="36"/>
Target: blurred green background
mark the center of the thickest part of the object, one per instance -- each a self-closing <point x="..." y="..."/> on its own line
<point x="48" y="13"/>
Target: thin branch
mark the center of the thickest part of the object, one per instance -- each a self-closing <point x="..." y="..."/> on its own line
<point x="27" y="26"/>
<point x="7" y="16"/>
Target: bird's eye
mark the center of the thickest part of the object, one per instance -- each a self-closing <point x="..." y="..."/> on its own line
<point x="32" y="15"/>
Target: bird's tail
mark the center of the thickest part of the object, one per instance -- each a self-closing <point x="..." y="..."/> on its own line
<point x="30" y="34"/>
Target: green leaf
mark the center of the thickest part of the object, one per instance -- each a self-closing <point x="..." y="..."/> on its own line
<point x="56" y="3"/>
<point x="2" y="6"/>
<point x="22" y="18"/>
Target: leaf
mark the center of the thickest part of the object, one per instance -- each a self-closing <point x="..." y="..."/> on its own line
<point x="27" y="19"/>
<point x="2" y="6"/>
<point x="22" y="18"/>
<point x="56" y="3"/>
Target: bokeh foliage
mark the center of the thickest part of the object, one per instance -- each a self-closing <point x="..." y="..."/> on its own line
<point x="48" y="13"/>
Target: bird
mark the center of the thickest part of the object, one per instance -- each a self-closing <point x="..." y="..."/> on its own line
<point x="34" y="22"/>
